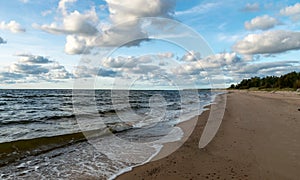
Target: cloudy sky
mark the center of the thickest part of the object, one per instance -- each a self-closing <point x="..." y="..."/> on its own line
<point x="112" y="43"/>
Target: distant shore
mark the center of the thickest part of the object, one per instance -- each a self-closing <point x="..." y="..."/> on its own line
<point x="258" y="139"/>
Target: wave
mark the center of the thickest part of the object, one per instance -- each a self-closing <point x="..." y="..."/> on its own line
<point x="16" y="150"/>
<point x="12" y="151"/>
<point x="110" y="111"/>
<point x="18" y="122"/>
<point x="58" y="117"/>
<point x="3" y="103"/>
<point x="37" y="120"/>
<point x="35" y="96"/>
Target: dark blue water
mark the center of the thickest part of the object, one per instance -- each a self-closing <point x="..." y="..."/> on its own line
<point x="27" y="114"/>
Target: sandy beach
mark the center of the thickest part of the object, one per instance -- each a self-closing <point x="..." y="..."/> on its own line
<point x="259" y="138"/>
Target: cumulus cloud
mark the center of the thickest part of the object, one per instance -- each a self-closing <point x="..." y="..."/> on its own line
<point x="84" y="32"/>
<point x="80" y="28"/>
<point x="191" y="56"/>
<point x="224" y="59"/>
<point x="74" y="23"/>
<point x="261" y="23"/>
<point x="138" y="64"/>
<point x="130" y="10"/>
<point x="12" y="26"/>
<point x="106" y="73"/>
<point x="2" y="41"/>
<point x="251" y="7"/>
<point x="126" y="62"/>
<point x="76" y="45"/>
<point x="165" y="55"/>
<point x="210" y="70"/>
<point x="126" y="26"/>
<point x="33" y="59"/>
<point x="10" y="77"/>
<point x="89" y="72"/>
<point x="269" y="42"/>
<point x="145" y="69"/>
<point x="201" y="71"/>
<point x="213" y="63"/>
<point x="292" y="11"/>
<point x="28" y="69"/>
<point x="267" y="68"/>
<point x="31" y="68"/>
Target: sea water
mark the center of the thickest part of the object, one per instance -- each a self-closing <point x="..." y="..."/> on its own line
<point x="28" y="116"/>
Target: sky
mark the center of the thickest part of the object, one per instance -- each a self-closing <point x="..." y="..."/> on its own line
<point x="145" y="44"/>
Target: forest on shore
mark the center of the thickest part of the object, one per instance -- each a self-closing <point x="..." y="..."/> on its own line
<point x="287" y="81"/>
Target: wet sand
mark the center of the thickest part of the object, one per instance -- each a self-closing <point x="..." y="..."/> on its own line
<point x="259" y="138"/>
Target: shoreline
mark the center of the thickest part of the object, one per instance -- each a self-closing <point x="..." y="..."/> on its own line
<point x="196" y="122"/>
<point x="185" y="126"/>
<point x="258" y="139"/>
<point x="166" y="146"/>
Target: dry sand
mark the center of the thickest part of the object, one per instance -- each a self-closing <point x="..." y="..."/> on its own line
<point x="259" y="138"/>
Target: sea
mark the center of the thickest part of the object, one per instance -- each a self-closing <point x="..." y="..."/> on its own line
<point x="89" y="134"/>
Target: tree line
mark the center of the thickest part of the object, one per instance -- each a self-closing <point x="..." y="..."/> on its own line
<point x="290" y="80"/>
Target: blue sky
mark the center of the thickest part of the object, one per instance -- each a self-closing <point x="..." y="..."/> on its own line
<point x="43" y="44"/>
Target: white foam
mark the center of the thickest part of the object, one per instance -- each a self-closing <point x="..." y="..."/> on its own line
<point x="127" y="169"/>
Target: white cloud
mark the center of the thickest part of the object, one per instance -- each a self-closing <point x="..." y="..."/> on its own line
<point x="224" y="59"/>
<point x="266" y="68"/>
<point x="261" y="23"/>
<point x="74" y="23"/>
<point x="2" y="41"/>
<point x="191" y="56"/>
<point x="208" y="71"/>
<point x="28" y="69"/>
<point x="76" y="45"/>
<point x="11" y="78"/>
<point x="204" y="71"/>
<point x="132" y="62"/>
<point x="144" y="69"/>
<point x="88" y="72"/>
<point x="12" y="26"/>
<point x="251" y="7"/>
<point x="269" y="42"/>
<point x="126" y="62"/>
<point x="31" y="68"/>
<point x="126" y="26"/>
<point x="122" y="34"/>
<point x="32" y="59"/>
<point x="165" y="55"/>
<point x="84" y="30"/>
<point x="292" y="11"/>
<point x="127" y="67"/>
<point x="213" y="63"/>
<point x="129" y="10"/>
